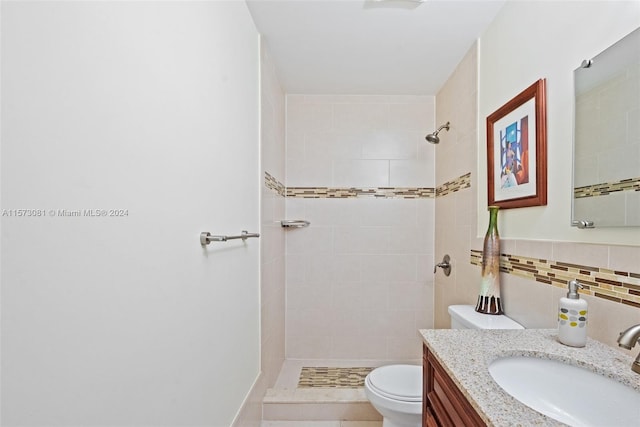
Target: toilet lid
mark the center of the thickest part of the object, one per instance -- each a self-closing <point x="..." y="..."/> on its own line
<point x="398" y="382"/>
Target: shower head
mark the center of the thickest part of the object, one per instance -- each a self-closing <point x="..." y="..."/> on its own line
<point x="433" y="137"/>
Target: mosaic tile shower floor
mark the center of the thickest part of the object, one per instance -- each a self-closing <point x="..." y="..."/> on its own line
<point x="332" y="377"/>
<point x="289" y="375"/>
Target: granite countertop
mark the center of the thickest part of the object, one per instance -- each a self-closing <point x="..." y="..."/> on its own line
<point x="466" y="354"/>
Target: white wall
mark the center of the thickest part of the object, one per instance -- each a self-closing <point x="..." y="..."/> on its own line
<point x="530" y="40"/>
<point x="153" y="108"/>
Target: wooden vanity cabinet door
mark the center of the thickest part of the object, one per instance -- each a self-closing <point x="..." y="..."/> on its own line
<point x="443" y="403"/>
<point x="429" y="420"/>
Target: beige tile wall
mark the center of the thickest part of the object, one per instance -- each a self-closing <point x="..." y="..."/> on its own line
<point x="456" y="212"/>
<point x="272" y="238"/>
<point x="272" y="241"/>
<point x="529" y="302"/>
<point x="359" y="141"/>
<point x="535" y="304"/>
<point x="359" y="279"/>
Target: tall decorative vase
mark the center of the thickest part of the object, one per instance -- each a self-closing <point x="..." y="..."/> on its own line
<point x="489" y="298"/>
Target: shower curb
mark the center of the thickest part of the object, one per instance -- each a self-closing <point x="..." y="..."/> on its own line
<point x="318" y="404"/>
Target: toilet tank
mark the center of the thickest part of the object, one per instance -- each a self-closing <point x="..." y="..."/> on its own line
<point x="466" y="317"/>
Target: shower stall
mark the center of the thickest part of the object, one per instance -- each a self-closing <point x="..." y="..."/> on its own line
<point x="358" y="282"/>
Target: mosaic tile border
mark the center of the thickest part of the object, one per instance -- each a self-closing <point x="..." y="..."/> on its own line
<point x="332" y="377"/>
<point x="617" y="286"/>
<point x="449" y="187"/>
<point x="606" y="188"/>
<point x="353" y="192"/>
<point x="457" y="184"/>
<point x="273" y="184"/>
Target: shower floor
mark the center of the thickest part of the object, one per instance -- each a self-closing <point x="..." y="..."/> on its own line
<point x="291" y="369"/>
<point x="333" y="377"/>
<point x="287" y="401"/>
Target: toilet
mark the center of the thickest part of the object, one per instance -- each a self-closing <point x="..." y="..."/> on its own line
<point x="466" y="317"/>
<point x="396" y="390"/>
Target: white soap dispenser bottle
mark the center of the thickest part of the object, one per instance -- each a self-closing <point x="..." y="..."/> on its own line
<point x="572" y="317"/>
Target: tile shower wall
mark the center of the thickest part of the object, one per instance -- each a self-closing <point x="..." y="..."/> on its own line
<point x="360" y="278"/>
<point x="528" y="300"/>
<point x="272" y="243"/>
<point x="456" y="211"/>
<point x="273" y="210"/>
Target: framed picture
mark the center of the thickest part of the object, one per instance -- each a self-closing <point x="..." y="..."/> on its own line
<point x="517" y="150"/>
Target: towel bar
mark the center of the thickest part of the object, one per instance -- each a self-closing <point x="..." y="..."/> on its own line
<point x="206" y="237"/>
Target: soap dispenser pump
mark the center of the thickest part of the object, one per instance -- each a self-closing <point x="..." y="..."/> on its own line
<point x="572" y="317"/>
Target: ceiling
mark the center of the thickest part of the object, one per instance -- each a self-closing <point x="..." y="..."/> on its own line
<point x="368" y="46"/>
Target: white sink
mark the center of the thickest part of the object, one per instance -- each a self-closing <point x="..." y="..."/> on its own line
<point x="566" y="393"/>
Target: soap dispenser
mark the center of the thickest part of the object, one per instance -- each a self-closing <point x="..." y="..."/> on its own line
<point x="572" y="317"/>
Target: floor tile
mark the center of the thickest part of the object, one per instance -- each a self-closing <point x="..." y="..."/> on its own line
<point x="361" y="424"/>
<point x="304" y="424"/>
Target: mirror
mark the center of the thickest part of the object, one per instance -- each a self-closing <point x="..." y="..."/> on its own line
<point x="606" y="156"/>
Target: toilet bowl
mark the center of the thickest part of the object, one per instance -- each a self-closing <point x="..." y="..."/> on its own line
<point x="396" y="390"/>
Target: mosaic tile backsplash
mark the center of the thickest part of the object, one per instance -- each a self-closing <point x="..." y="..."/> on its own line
<point x="618" y="286"/>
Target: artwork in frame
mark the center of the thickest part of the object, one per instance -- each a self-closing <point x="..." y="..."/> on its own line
<point x="517" y="151"/>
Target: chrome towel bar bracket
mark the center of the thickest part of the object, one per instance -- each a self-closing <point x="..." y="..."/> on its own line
<point x="294" y="223"/>
<point x="206" y="237"/>
<point x="584" y="223"/>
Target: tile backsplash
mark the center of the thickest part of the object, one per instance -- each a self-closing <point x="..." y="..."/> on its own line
<point x="617" y="286"/>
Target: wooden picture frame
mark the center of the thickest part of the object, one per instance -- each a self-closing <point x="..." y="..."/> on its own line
<point x="517" y="150"/>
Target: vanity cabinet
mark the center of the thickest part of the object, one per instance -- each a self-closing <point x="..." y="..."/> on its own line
<point x="443" y="404"/>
